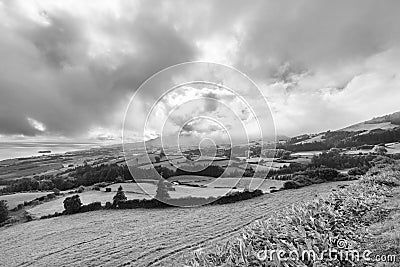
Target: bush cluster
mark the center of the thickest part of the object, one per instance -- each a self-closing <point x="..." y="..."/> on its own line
<point x="357" y="171"/>
<point x="334" y="158"/>
<point x="3" y="211"/>
<point x="314" y="176"/>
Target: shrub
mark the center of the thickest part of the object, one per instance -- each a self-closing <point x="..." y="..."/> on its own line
<point x="290" y="185"/>
<point x="56" y="191"/>
<point x="162" y="191"/>
<point x="303" y="180"/>
<point x="108" y="205"/>
<point x="141" y="203"/>
<point x="120" y="196"/>
<point x="51" y="196"/>
<point x="237" y="196"/>
<point x="103" y="184"/>
<point x="383" y="160"/>
<point x="357" y="171"/>
<point x="3" y="211"/>
<point x="81" y="189"/>
<point x="380" y="150"/>
<point x="388" y="177"/>
<point x="91" y="207"/>
<point x="28" y="217"/>
<point x="327" y="174"/>
<point x="72" y="204"/>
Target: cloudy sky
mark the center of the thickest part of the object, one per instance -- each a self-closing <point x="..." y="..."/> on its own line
<point x="68" y="68"/>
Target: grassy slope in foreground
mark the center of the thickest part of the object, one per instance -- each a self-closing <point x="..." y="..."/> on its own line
<point x="344" y="215"/>
<point x="141" y="236"/>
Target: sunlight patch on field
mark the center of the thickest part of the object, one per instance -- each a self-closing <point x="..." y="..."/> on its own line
<point x="240" y="183"/>
<point x="393" y="148"/>
<point x="86" y="198"/>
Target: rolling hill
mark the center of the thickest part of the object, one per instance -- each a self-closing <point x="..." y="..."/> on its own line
<point x="385" y="129"/>
<point x="387" y="122"/>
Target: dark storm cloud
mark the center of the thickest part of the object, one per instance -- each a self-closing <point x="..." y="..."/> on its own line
<point x="187" y="128"/>
<point x="310" y="35"/>
<point x="51" y="74"/>
<point x="211" y="103"/>
<point x="74" y="67"/>
<point x="12" y="123"/>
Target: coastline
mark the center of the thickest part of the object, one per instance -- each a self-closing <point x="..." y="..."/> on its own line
<point x="13" y="150"/>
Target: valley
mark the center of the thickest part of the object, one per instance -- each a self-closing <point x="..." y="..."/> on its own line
<point x="36" y="190"/>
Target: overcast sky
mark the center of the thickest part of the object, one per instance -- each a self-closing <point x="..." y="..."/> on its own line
<point x="69" y="68"/>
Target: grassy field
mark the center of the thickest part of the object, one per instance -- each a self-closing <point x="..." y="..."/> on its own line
<point x="180" y="190"/>
<point x="146" y="160"/>
<point x="14" y="199"/>
<point x="139" y="188"/>
<point x="231" y="169"/>
<point x="86" y="197"/>
<point x="240" y="183"/>
<point x="393" y="148"/>
<point x="139" y="237"/>
<point x="28" y="169"/>
<point x="186" y="191"/>
<point x="218" y="187"/>
<point x="306" y="154"/>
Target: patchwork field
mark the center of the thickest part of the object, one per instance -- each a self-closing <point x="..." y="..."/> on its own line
<point x="148" y="160"/>
<point x="239" y="183"/>
<point x="138" y="237"/>
<point x="393" y="148"/>
<point x="306" y="154"/>
<point x="26" y="169"/>
<point x="14" y="199"/>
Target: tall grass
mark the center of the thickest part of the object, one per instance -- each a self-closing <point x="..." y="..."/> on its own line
<point x="316" y="226"/>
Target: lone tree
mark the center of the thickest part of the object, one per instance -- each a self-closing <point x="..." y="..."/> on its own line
<point x="162" y="191"/>
<point x="119" y="196"/>
<point x="3" y="211"/>
<point x="72" y="204"/>
<point x="380" y="150"/>
<point x="162" y="154"/>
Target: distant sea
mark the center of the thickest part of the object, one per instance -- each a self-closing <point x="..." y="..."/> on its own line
<point x="9" y="150"/>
